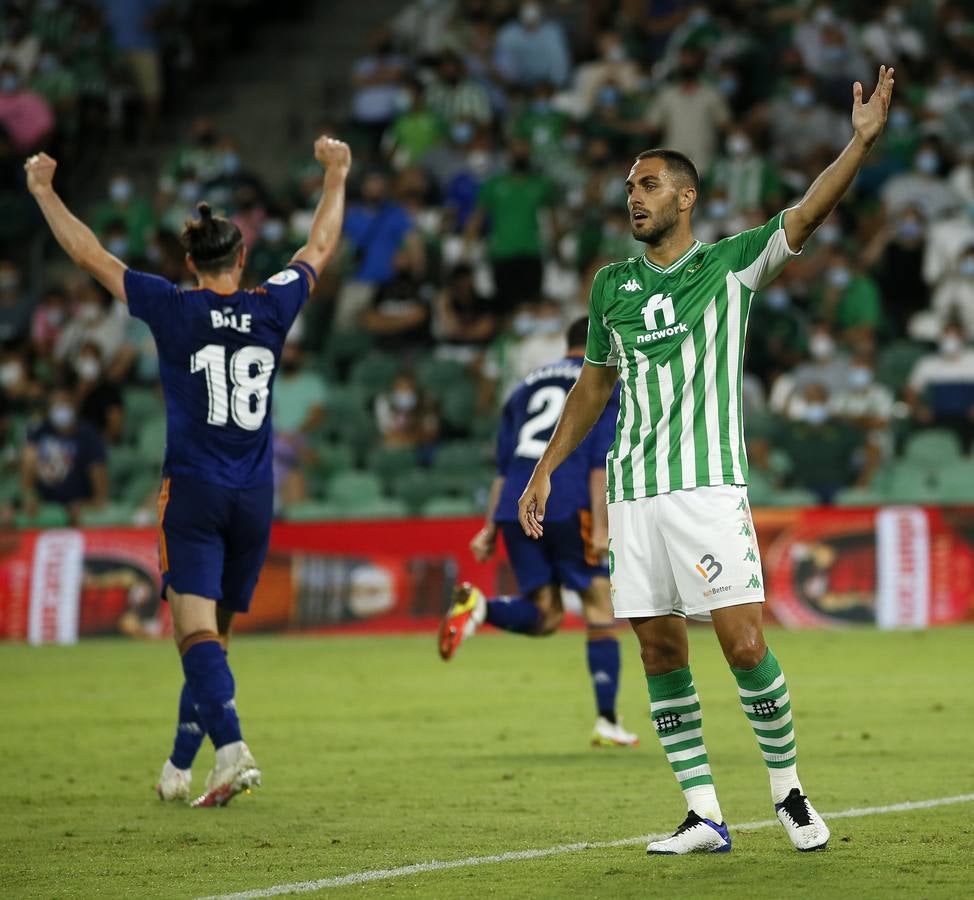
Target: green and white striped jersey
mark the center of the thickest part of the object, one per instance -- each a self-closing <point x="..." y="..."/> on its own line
<point x="677" y="338"/>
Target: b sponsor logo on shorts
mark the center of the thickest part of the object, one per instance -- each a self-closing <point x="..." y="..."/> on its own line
<point x="709" y="568"/>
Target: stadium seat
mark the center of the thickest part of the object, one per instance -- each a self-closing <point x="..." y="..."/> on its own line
<point x="109" y="514"/>
<point x="458" y="405"/>
<point x="859" y="496"/>
<point x="450" y="506"/>
<point x="352" y="488"/>
<point x="375" y="508"/>
<point x="48" y="515"/>
<point x="152" y="439"/>
<point x="956" y="482"/>
<point x="437" y="376"/>
<point x="124" y="463"/>
<point x="342" y="349"/>
<point x="793" y="497"/>
<point x="910" y="483"/>
<point x="311" y="511"/>
<point x="414" y="488"/>
<point x="895" y="363"/>
<point x="391" y="463"/>
<point x="460" y="456"/>
<point x="374" y="372"/>
<point x="934" y="446"/>
<point x="760" y="488"/>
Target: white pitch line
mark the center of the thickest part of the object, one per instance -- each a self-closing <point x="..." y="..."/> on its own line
<point x="516" y="855"/>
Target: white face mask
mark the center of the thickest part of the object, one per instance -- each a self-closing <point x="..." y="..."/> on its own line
<point x="738" y="145"/>
<point x="62" y="416"/>
<point x="547" y="326"/>
<point x="88" y="311"/>
<point x="88" y="368"/>
<point x="821" y="346"/>
<point x="10" y="373"/>
<point x="404" y="400"/>
<point x="120" y="190"/>
<point x="816" y="413"/>
<point x="523" y="324"/>
<point x="860" y="377"/>
<point x="839" y="276"/>
<point x="951" y="344"/>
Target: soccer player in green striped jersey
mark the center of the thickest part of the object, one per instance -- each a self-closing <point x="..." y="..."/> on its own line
<point x="670" y="325"/>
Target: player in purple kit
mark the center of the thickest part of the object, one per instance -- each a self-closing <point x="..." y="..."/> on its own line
<point x="576" y="536"/>
<point x="219" y="347"/>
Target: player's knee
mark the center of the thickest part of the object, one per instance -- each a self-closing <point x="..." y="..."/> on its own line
<point x="660" y="656"/>
<point x="745" y="651"/>
<point x="551" y="619"/>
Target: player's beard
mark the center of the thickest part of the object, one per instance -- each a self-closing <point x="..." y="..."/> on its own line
<point x="660" y="227"/>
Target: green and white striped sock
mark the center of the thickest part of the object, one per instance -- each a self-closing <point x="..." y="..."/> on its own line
<point x="675" y="710"/>
<point x="767" y="705"/>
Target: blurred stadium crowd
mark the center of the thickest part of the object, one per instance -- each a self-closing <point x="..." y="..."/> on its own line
<point x="492" y="139"/>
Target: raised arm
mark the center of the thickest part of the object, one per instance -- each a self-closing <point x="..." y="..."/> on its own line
<point x="75" y="238"/>
<point x="868" y="121"/>
<point x="326" y="227"/>
<point x="582" y="410"/>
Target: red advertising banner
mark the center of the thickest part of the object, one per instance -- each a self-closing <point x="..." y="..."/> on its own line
<point x="896" y="567"/>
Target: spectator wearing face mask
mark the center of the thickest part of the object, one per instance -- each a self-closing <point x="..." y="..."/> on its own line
<point x="404" y="415"/>
<point x="21" y="46"/>
<point x="376" y="80"/>
<point x="612" y="67"/>
<point x="940" y="389"/>
<point x="801" y="125"/>
<point x="689" y="114"/>
<point x="95" y="320"/>
<point x="272" y="250"/>
<point x="826" y="452"/>
<point x="746" y="179"/>
<point x="15" y="303"/>
<point x="63" y="461"/>
<point x="534" y="337"/>
<point x="18" y="389"/>
<point x="826" y="366"/>
<point x="454" y="96"/>
<point x="849" y="300"/>
<point x="531" y="49"/>
<point x="894" y="255"/>
<point x="954" y="296"/>
<point x="868" y="406"/>
<point x="125" y="206"/>
<point x="923" y="188"/>
<point x="98" y="401"/>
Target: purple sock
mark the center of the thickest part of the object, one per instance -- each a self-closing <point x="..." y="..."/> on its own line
<point x="189" y="732"/>
<point x="603" y="665"/>
<point x="211" y="686"/>
<point x="513" y="614"/>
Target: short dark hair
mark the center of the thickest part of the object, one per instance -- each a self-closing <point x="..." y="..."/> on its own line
<point x="577" y="333"/>
<point x="678" y="163"/>
<point x="212" y="242"/>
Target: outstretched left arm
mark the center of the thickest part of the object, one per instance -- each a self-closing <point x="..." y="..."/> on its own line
<point x="76" y="238"/>
<point x="868" y="121"/>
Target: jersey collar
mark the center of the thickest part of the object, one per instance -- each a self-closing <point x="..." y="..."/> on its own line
<point x="674" y="265"/>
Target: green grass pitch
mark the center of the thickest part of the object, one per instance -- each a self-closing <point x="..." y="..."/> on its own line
<point x="376" y="754"/>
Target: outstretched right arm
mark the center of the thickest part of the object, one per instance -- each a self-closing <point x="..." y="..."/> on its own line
<point x="584" y="405"/>
<point x="326" y="227"/>
<point x="75" y="238"/>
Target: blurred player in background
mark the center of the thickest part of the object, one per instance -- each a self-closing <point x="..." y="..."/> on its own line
<point x="571" y="553"/>
<point x="219" y="349"/>
<point x="671" y="325"/>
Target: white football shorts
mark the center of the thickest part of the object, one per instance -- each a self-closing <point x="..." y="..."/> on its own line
<point x="684" y="553"/>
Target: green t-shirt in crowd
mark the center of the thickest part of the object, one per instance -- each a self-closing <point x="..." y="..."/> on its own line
<point x="513" y="202"/>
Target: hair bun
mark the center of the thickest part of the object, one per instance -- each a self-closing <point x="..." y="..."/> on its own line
<point x="206" y="214"/>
